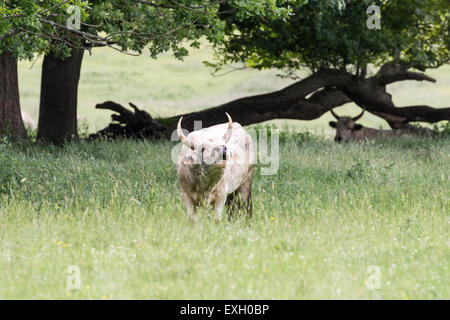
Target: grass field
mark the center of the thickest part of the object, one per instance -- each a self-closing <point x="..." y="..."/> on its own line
<point x="113" y="209"/>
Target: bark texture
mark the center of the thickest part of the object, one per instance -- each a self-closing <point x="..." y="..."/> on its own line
<point x="59" y="94"/>
<point x="10" y="116"/>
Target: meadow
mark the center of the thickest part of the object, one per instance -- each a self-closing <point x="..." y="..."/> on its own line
<point x="113" y="209"/>
<point x="332" y="214"/>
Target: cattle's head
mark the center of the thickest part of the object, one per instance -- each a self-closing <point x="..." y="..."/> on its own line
<point x="345" y="126"/>
<point x="211" y="152"/>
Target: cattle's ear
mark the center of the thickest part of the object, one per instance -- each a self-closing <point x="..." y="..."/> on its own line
<point x="357" y="126"/>
<point x="332" y="124"/>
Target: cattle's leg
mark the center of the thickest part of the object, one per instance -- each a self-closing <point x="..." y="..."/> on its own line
<point x="241" y="198"/>
<point x="245" y="196"/>
<point x="190" y="206"/>
<point x="219" y="203"/>
<point x="233" y="203"/>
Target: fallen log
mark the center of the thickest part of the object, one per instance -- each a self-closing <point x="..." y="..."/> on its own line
<point x="138" y="124"/>
<point x="306" y="99"/>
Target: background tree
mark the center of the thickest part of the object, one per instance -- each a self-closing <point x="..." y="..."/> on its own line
<point x="20" y="38"/>
<point x="10" y="117"/>
<point x="124" y="25"/>
<point x="348" y="61"/>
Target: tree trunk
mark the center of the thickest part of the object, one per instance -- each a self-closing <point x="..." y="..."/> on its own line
<point x="10" y="116"/>
<point x="327" y="89"/>
<point x="59" y="94"/>
<point x="291" y="102"/>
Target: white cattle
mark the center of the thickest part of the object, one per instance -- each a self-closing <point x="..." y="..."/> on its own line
<point x="215" y="166"/>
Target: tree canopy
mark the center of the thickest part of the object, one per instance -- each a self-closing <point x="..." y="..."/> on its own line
<point x="332" y="39"/>
<point x="63" y="29"/>
<point x="334" y="34"/>
<point x="28" y="27"/>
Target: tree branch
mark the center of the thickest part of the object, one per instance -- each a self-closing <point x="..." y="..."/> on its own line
<point x="315" y="95"/>
<point x="374" y="99"/>
<point x="393" y="72"/>
<point x="287" y="103"/>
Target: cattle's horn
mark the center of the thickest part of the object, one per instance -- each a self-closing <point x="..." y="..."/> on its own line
<point x="359" y="117"/>
<point x="227" y="135"/>
<point x="334" y="114"/>
<point x="183" y="138"/>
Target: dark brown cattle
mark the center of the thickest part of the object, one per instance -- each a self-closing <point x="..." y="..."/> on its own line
<point x="348" y="130"/>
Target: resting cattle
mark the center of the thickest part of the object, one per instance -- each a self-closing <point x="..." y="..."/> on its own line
<point x="215" y="166"/>
<point x="348" y="130"/>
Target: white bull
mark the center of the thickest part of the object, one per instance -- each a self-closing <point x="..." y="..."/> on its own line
<point x="215" y="166"/>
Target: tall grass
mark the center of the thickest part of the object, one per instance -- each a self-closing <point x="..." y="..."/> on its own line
<point x="113" y="209"/>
